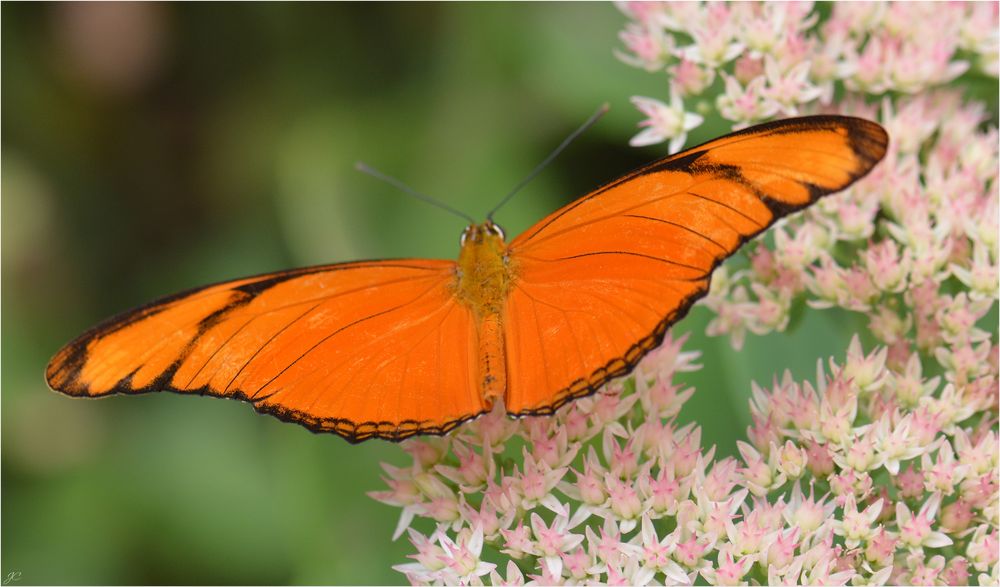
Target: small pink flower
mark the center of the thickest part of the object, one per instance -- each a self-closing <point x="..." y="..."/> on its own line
<point x="655" y="552"/>
<point x="486" y="518"/>
<point x="758" y="475"/>
<point x="980" y="455"/>
<point x="427" y="451"/>
<point x="552" y="541"/>
<point x="513" y="577"/>
<point x="762" y="29"/>
<point x="956" y="572"/>
<point x="958" y="317"/>
<point x="910" y="483"/>
<point x="623" y="501"/>
<point x="963" y="363"/>
<point x="555" y="450"/>
<point x="866" y="371"/>
<point x="460" y="557"/>
<point x="837" y="419"/>
<point x="442" y="503"/>
<point x="888" y="326"/>
<point x="518" y="542"/>
<point x="537" y="480"/>
<point x="403" y="492"/>
<point x="575" y="424"/>
<point x="956" y="517"/>
<point x="850" y="483"/>
<point x="608" y="405"/>
<point x="719" y="482"/>
<point x="801" y="248"/>
<point x="609" y="548"/>
<point x="925" y="425"/>
<point x="765" y="515"/>
<point x="807" y="513"/>
<point x="630" y="574"/>
<point x="664" y="400"/>
<point x="648" y="47"/>
<point x="909" y="386"/>
<point x="492" y="429"/>
<point x="943" y="474"/>
<point x="727" y="571"/>
<point x="789" y="89"/>
<point x="667" y="359"/>
<point x="926" y="574"/>
<point x="982" y="274"/>
<point x="690" y="552"/>
<point x="664" y="492"/>
<point x="978" y="491"/>
<point x="764" y="431"/>
<point x="623" y="461"/>
<point x="820" y="459"/>
<point x="472" y="470"/>
<point x="868" y="70"/>
<point x="984" y="547"/>
<point x="712" y="46"/>
<point x="781" y="551"/>
<point x="909" y="122"/>
<point x="859" y="454"/>
<point x="888" y="266"/>
<point x="690" y="78"/>
<point x="577" y="563"/>
<point x="856" y="527"/>
<point x="590" y="488"/>
<point x="916" y="531"/>
<point x="664" y="122"/>
<point x="880" y="548"/>
<point x="686" y="453"/>
<point x="895" y="442"/>
<point x="745" y="105"/>
<point x="715" y="515"/>
<point x="746" y="538"/>
<point x="546" y="577"/>
<point x="430" y="557"/>
<point x="824" y="572"/>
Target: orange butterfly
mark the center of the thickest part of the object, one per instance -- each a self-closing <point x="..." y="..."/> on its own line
<point x="390" y="349"/>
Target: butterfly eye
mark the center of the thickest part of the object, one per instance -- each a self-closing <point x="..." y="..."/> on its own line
<point x="495" y="230"/>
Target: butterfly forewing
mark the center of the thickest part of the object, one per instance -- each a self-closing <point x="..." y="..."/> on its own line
<point x="359" y="349"/>
<point x="600" y="280"/>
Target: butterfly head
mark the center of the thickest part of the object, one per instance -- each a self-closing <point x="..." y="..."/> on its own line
<point x="487" y="232"/>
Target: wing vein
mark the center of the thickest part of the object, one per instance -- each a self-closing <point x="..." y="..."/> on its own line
<point x="631" y="253"/>
<point x="341" y="329"/>
<point x="682" y="227"/>
<point x="701" y="180"/>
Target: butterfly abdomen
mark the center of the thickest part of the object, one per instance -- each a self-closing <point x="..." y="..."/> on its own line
<point x="482" y="282"/>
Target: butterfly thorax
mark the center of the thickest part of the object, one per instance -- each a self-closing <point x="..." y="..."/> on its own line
<point x="484" y="272"/>
<point x="483" y="278"/>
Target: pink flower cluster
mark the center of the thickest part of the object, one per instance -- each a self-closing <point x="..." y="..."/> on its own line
<point x="761" y="60"/>
<point x="842" y="483"/>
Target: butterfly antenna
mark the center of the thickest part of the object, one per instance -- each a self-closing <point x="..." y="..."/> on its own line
<point x="407" y="189"/>
<point x="590" y="122"/>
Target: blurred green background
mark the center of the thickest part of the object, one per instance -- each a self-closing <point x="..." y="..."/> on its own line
<point x="149" y="148"/>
